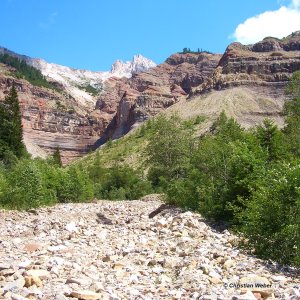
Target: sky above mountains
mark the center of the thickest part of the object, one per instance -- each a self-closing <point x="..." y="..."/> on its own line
<point x="93" y="34"/>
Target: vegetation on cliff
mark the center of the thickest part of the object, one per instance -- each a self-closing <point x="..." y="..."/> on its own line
<point x="89" y="89"/>
<point x="23" y="70"/>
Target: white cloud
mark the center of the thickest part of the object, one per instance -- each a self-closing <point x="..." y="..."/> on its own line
<point x="278" y="23"/>
<point x="296" y="3"/>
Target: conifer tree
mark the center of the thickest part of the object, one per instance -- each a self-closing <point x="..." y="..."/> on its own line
<point x="11" y="131"/>
<point x="57" y="157"/>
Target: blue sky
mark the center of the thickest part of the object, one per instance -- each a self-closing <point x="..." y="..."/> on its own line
<point x="92" y="34"/>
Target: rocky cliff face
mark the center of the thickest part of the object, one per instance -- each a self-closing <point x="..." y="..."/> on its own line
<point x="254" y="73"/>
<point x="66" y="119"/>
<point x="247" y="82"/>
<point x="75" y="81"/>
<point x="268" y="63"/>
<point x="148" y="93"/>
<point x="52" y="120"/>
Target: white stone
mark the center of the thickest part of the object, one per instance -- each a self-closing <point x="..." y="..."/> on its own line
<point x="56" y="248"/>
<point x="86" y="295"/>
<point x="24" y="264"/>
<point x="17" y="297"/>
<point x="279" y="278"/>
<point x="14" y="285"/>
<point x="247" y="296"/>
<point x="43" y="274"/>
<point x="71" y="227"/>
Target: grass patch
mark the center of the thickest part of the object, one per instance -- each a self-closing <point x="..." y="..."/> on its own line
<point x="89" y="89"/>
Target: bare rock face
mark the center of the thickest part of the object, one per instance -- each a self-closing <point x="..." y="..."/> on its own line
<point x="73" y="119"/>
<point x="148" y="93"/>
<point x="262" y="70"/>
<point x="51" y="120"/>
<point x="268" y="63"/>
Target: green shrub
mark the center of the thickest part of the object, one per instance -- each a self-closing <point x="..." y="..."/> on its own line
<point x="119" y="182"/>
<point x="292" y="115"/>
<point x="3" y="183"/>
<point x="89" y="89"/>
<point x="271" y="220"/>
<point x="27" y="187"/>
<point x="74" y="185"/>
<point x="169" y="148"/>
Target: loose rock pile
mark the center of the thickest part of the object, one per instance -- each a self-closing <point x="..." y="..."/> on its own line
<point x="113" y="250"/>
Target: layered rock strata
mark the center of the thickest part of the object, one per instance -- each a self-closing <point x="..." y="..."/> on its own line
<point x="268" y="63"/>
<point x="53" y="120"/>
<point x="148" y="93"/>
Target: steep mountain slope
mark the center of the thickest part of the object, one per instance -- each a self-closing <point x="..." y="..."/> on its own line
<point x="148" y="93"/>
<point x="268" y="63"/>
<point x="65" y="119"/>
<point x="247" y="82"/>
<point x="52" y="119"/>
<point x="75" y="80"/>
<point x="92" y="107"/>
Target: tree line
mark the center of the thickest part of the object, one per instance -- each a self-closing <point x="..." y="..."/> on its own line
<point x="23" y="70"/>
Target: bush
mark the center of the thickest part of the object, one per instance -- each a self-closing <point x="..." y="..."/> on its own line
<point x="26" y="187"/>
<point x="271" y="220"/>
<point x="292" y="115"/>
<point x="119" y="182"/>
<point x="3" y="183"/>
<point x="169" y="148"/>
<point x="74" y="185"/>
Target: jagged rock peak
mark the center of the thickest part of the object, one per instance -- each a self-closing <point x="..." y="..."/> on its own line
<point x="138" y="64"/>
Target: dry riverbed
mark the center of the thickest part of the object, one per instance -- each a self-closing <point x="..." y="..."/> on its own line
<point x="113" y="250"/>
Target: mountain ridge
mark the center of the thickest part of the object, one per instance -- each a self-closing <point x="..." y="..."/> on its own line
<point x="74" y="80"/>
<point x="247" y="81"/>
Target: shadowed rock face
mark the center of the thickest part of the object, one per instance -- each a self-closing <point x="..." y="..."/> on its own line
<point x="148" y="93"/>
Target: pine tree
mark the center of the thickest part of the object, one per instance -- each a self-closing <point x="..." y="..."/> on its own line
<point x="57" y="157"/>
<point x="11" y="131"/>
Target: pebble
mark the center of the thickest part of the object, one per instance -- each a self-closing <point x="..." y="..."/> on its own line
<point x="38" y="273"/>
<point x="113" y="250"/>
<point x="14" y="285"/>
<point x="4" y="266"/>
<point x="86" y="295"/>
<point x="33" y="280"/>
<point x="17" y="297"/>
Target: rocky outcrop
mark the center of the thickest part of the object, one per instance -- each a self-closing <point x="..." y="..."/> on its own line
<point x="148" y="93"/>
<point x="75" y="118"/>
<point x="75" y="81"/>
<point x="268" y="63"/>
<point x="52" y="119"/>
<point x="77" y="121"/>
<point x="259" y="72"/>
